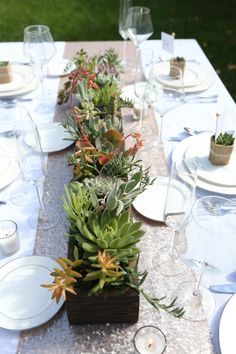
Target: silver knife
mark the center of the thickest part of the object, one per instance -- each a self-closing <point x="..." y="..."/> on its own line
<point x="223" y="288"/>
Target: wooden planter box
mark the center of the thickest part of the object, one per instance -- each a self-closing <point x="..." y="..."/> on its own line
<point x="115" y="306"/>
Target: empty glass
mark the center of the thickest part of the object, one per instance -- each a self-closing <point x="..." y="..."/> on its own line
<point x="39" y="47"/>
<point x="165" y="92"/>
<point x="178" y="204"/>
<point x="139" y="25"/>
<point x="29" y="155"/>
<point x="124" y="7"/>
<point x="211" y="248"/>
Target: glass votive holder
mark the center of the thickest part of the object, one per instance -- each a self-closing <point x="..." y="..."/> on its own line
<point x="149" y="339"/>
<point x="9" y="239"/>
<point x="139" y="108"/>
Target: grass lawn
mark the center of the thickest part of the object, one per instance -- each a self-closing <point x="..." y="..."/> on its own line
<point x="211" y="22"/>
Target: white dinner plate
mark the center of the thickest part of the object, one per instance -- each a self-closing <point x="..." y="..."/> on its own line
<point x="194" y="75"/>
<point x="227" y="327"/>
<point x="151" y="202"/>
<point x="24" y="303"/>
<point x="22" y="90"/>
<point x="61" y="67"/>
<point x="222" y="175"/>
<point x="22" y="76"/>
<point x="179" y="152"/>
<point x="52" y="136"/>
<point x="9" y="169"/>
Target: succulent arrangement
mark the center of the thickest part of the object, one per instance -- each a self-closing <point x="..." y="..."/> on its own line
<point x="107" y="178"/>
<point x="225" y="139"/>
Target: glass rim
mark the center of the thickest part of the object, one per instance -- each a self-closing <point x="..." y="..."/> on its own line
<point x="195" y="218"/>
<point x="13" y="233"/>
<point x="150" y="326"/>
<point x="33" y="30"/>
<point x="138" y="8"/>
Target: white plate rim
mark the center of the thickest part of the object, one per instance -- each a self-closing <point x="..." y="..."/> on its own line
<point x="179" y="152"/>
<point x="60" y="143"/>
<point x="127" y="91"/>
<point x="159" y="182"/>
<point x="48" y="312"/>
<point x="195" y="68"/>
<point x="203" y="174"/>
<point x="22" y="70"/>
<point x="11" y="94"/>
<point x="225" y="322"/>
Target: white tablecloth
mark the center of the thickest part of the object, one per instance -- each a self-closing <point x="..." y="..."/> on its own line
<point x="14" y="52"/>
<point x="199" y="116"/>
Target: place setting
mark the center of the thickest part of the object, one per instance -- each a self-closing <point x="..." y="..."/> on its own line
<point x="20" y="80"/>
<point x="214" y="177"/>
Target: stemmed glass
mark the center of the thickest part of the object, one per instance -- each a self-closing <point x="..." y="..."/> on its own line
<point x="29" y="155"/>
<point x="140" y="83"/>
<point x="124" y="7"/>
<point x="180" y="198"/>
<point x="211" y="248"/>
<point x="139" y="26"/>
<point x="39" y="47"/>
<point x="165" y="92"/>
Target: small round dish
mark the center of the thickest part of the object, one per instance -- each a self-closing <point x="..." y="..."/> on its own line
<point x="151" y="202"/>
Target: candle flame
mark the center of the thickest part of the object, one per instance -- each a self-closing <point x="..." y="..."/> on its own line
<point x="150" y="342"/>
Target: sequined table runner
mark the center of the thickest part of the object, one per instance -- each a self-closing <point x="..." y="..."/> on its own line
<point x="57" y="336"/>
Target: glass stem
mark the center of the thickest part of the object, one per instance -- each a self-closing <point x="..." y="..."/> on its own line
<point x="197" y="285"/>
<point x="138" y="60"/>
<point x="160" y="129"/>
<point x="172" y="243"/>
<point x="39" y="198"/>
<point x="124" y="51"/>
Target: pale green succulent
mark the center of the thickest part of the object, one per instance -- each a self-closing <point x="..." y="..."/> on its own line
<point x="96" y="228"/>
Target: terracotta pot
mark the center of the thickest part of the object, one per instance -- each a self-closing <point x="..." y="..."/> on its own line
<point x="219" y="154"/>
<point x="110" y="306"/>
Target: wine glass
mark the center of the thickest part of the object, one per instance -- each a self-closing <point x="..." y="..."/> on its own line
<point x="124" y="7"/>
<point x="39" y="47"/>
<point x="211" y="248"/>
<point x="179" y="201"/>
<point x="165" y="92"/>
<point x="142" y="72"/>
<point x="29" y="155"/>
<point x="139" y="26"/>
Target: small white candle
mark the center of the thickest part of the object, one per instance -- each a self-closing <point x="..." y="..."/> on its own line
<point x="9" y="239"/>
<point x="137" y="108"/>
<point x="149" y="339"/>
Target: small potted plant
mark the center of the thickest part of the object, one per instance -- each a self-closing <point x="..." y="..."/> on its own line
<point x="221" y="148"/>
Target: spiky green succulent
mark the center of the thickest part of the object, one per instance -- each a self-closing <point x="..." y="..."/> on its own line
<point x="226" y="139"/>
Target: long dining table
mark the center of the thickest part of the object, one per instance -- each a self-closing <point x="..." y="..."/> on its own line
<point x="57" y="336"/>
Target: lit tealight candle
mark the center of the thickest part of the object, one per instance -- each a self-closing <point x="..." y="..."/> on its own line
<point x="149" y="339"/>
<point x="9" y="239"/>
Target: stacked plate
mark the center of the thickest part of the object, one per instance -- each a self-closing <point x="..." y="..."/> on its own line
<point x="219" y="179"/>
<point x="23" y="82"/>
<point x="195" y="78"/>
